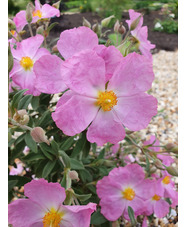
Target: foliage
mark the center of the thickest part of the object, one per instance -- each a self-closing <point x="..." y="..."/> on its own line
<point x="167" y="25"/>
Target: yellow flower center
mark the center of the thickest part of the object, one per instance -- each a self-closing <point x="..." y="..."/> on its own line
<point x="156" y="197"/>
<point x="166" y="180"/>
<point x="13" y="32"/>
<point x="52" y="218"/>
<point x="106" y="100"/>
<point x="128" y="194"/>
<point x="37" y="13"/>
<point x="27" y="63"/>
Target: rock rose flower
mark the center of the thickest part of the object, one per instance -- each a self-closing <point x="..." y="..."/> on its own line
<point x="105" y="107"/>
<point x="25" y="56"/>
<point x="44" y="208"/>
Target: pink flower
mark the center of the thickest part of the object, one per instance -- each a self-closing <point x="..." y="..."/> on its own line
<point x="44" y="208"/>
<point x="48" y="68"/>
<point x="166" y="159"/>
<point x="44" y="11"/>
<point x="168" y="188"/>
<point x="16" y="171"/>
<point x="123" y="187"/>
<point x="20" y="20"/>
<point x="156" y="204"/>
<point x="25" y="56"/>
<point x="141" y="34"/>
<point x="122" y="103"/>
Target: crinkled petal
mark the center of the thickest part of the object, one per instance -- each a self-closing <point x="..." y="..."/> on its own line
<point x="112" y="58"/>
<point x="16" y="68"/>
<point x="18" y="53"/>
<point x="37" y="5"/>
<point x="75" y="114"/>
<point x="146" y="189"/>
<point x="47" y="195"/>
<point x="105" y="129"/>
<point x="74" y="40"/>
<point x="161" y="208"/>
<point x="20" y="20"/>
<point x="166" y="159"/>
<point x="84" y="73"/>
<point x="48" y="74"/>
<point x="24" y="212"/>
<point x="31" y="45"/>
<point x="26" y="80"/>
<point x="77" y="215"/>
<point x="133" y="75"/>
<point x="40" y="53"/>
<point x="49" y="11"/>
<point x="153" y="140"/>
<point x="135" y="112"/>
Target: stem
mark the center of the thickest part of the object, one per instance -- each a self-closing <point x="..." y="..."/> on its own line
<point x="126" y="36"/>
<point x="19" y="125"/>
<point x="30" y="29"/>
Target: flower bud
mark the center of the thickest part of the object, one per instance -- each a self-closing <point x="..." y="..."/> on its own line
<point x="38" y="135"/>
<point x="153" y="169"/>
<point x="73" y="175"/>
<point x="10" y="59"/>
<point x="40" y="30"/>
<point x="159" y="165"/>
<point x="105" y="22"/>
<point x="172" y="171"/>
<point x="29" y="10"/>
<point x="121" y="29"/>
<point x="56" y="5"/>
<point x="21" y="117"/>
<point x="54" y="49"/>
<point x="86" y="23"/>
<point x="97" y="29"/>
<point x="116" y="26"/>
<point x="11" y="24"/>
<point x="135" y="23"/>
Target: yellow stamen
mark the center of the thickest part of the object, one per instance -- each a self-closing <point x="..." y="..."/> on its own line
<point x="13" y="32"/>
<point x="52" y="218"/>
<point x="27" y="63"/>
<point x="106" y="100"/>
<point x="37" y="13"/>
<point x="156" y="197"/>
<point x="128" y="194"/>
<point x="166" y="180"/>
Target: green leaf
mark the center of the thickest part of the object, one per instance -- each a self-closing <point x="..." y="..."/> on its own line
<point x="131" y="216"/>
<point x="86" y="148"/>
<point x="67" y="144"/>
<point x="35" y="102"/>
<point x="55" y="147"/>
<point x="83" y="197"/>
<point x="97" y="218"/>
<point x="17" y="97"/>
<point x="51" y="26"/>
<point x="30" y="142"/>
<point x="79" y="146"/>
<point x="46" y="151"/>
<point x="75" y="164"/>
<point x="65" y="159"/>
<point x="21" y="181"/>
<point x="147" y="165"/>
<point x="94" y="146"/>
<point x="24" y="102"/>
<point x="101" y="154"/>
<point x="48" y="168"/>
<point x="49" y="149"/>
<point x="85" y="175"/>
<point x="34" y="157"/>
<point x="45" y="119"/>
<point x="11" y="184"/>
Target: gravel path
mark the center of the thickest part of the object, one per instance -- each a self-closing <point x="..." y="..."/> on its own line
<point x="165" y="89"/>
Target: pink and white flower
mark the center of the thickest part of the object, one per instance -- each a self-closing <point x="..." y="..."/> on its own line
<point x="123" y="187"/>
<point x="16" y="171"/>
<point x="25" y="56"/>
<point x="166" y="159"/>
<point x="140" y="34"/>
<point x="44" y="208"/>
<point x="107" y="108"/>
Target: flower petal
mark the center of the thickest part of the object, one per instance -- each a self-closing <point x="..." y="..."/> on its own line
<point x="47" y="195"/>
<point x="133" y="16"/>
<point x="48" y="74"/>
<point x="133" y="75"/>
<point x="74" y="40"/>
<point x="40" y="53"/>
<point x="49" y="11"/>
<point x="20" y="20"/>
<point x="24" y="212"/>
<point x="161" y="208"/>
<point x="105" y="129"/>
<point x="84" y="73"/>
<point x="75" y="114"/>
<point x="135" y="112"/>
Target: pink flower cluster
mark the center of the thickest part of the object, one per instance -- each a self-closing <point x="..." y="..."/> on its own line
<point x="44" y="208"/>
<point x="127" y="186"/>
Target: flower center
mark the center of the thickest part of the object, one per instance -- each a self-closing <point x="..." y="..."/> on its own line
<point x="13" y="32"/>
<point x="106" y="100"/>
<point x="52" y="218"/>
<point x="166" y="180"/>
<point x="128" y="194"/>
<point x="156" y="197"/>
<point x="37" y="13"/>
<point x="26" y="63"/>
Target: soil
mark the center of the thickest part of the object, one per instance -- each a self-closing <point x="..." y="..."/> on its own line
<point x="163" y="41"/>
